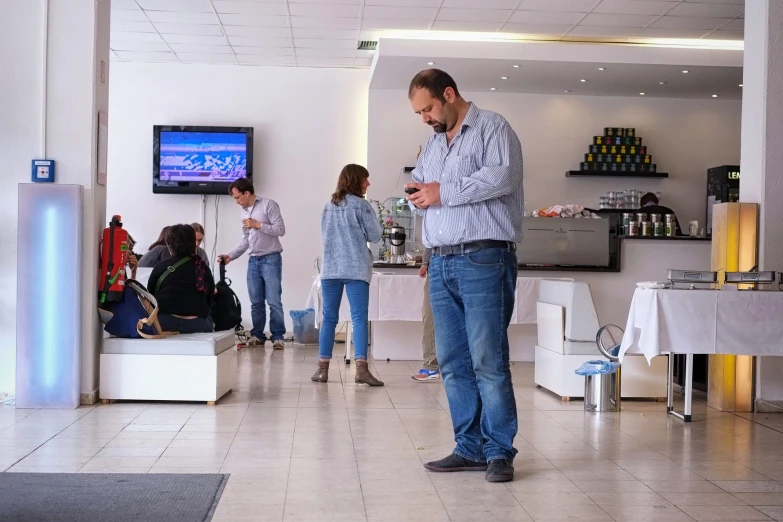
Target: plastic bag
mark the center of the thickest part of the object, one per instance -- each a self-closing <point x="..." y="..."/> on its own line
<point x="597" y="367"/>
<point x="314" y="299"/>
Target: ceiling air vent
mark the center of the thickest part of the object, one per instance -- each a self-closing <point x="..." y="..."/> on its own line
<point x="367" y="45"/>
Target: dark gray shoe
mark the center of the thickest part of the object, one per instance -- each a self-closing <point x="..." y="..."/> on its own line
<point x="455" y="463"/>
<point x="500" y="470"/>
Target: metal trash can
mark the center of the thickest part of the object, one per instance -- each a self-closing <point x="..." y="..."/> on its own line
<point x="602" y="392"/>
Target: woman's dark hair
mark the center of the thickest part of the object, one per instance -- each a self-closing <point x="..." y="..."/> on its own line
<point x="161" y="238"/>
<point x="242" y="185"/>
<point x="350" y="182"/>
<point x="435" y="81"/>
<point x="181" y="240"/>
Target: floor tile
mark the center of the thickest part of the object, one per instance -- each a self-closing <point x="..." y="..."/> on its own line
<point x="727" y="513"/>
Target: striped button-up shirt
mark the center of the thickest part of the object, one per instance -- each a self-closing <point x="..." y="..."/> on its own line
<point x="480" y="176"/>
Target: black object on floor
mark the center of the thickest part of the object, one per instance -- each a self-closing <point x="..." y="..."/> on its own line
<point x="109" y="497"/>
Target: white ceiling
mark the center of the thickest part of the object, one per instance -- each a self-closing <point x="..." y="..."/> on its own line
<point x="550" y="77"/>
<point x="324" y="33"/>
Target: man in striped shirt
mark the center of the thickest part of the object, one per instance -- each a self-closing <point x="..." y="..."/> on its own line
<point x="468" y="187"/>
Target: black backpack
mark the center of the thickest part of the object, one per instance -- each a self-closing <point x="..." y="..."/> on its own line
<point x="226" y="309"/>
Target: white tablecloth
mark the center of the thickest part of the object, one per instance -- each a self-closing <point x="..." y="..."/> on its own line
<point x="397" y="297"/>
<point x="704" y="322"/>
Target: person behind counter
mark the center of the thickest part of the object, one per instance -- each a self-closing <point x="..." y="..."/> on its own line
<point x="348" y="223"/>
<point x="183" y="285"/>
<point x="651" y="205"/>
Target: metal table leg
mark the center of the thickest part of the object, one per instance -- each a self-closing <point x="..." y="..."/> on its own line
<point x="686" y="416"/>
<point x="670" y="385"/>
<point x="348" y="341"/>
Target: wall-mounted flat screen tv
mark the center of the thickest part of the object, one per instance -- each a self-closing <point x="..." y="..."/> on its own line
<point x="200" y="160"/>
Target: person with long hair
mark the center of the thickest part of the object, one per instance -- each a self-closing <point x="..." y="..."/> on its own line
<point x="348" y="223"/>
<point x="158" y="250"/>
<point x="183" y="285"/>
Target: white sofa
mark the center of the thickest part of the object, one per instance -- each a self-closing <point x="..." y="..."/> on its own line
<point x="567" y="326"/>
<point x="187" y="367"/>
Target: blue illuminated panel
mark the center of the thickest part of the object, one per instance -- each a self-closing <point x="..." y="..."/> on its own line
<point x="49" y="296"/>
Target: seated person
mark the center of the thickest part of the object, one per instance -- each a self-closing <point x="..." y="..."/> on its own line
<point x="650" y="205"/>
<point x="158" y="250"/>
<point x="183" y="285"/>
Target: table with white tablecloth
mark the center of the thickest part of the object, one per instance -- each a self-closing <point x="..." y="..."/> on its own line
<point x="399" y="297"/>
<point x="680" y="321"/>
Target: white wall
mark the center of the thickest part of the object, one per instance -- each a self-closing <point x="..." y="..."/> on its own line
<point x="308" y="124"/>
<point x="685" y="138"/>
<point x="74" y="96"/>
<point x="20" y="113"/>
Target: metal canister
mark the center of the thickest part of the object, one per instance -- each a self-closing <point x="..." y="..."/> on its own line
<point x="627" y="218"/>
<point x="633" y="228"/>
<point x="671" y="228"/>
<point x="646" y="228"/>
<point x="655" y="218"/>
<point x="640" y="218"/>
<point x="658" y="229"/>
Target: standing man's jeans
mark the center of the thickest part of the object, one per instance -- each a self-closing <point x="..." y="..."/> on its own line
<point x="358" y="293"/>
<point x="265" y="285"/>
<point x="472" y="300"/>
<point x="428" y="331"/>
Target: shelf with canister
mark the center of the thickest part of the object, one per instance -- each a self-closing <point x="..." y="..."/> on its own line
<point x="619" y="153"/>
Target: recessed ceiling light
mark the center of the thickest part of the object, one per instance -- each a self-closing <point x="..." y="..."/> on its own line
<point x="492" y="89"/>
<point x="583" y="80"/>
<point x="602" y="68"/>
<point x="714" y="95"/>
<point x="568" y="91"/>
<point x="663" y="83"/>
<point x="516" y="66"/>
<point x="504" y="77"/>
<point x="641" y="94"/>
<point x="430" y="63"/>
<point x="685" y="72"/>
<point x="740" y="85"/>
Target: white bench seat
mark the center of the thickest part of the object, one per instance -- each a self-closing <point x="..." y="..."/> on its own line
<point x="188" y="367"/>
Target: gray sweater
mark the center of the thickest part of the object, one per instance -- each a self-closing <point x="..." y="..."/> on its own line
<point x="161" y="252"/>
<point x="345" y="231"/>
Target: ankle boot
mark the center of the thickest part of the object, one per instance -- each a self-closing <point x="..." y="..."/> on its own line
<point x="322" y="373"/>
<point x="363" y="375"/>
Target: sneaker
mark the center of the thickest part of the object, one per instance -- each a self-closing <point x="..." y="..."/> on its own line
<point x="453" y="463"/>
<point x="278" y="345"/>
<point x="254" y="341"/>
<point x="426" y="375"/>
<point x="500" y="470"/>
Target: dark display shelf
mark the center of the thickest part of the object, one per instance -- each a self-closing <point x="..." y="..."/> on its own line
<point x="610" y="174"/>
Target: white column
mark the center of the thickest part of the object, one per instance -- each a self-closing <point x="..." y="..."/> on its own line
<point x="54" y="55"/>
<point x="762" y="154"/>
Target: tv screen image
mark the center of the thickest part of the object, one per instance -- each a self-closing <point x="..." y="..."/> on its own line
<point x="202" y="156"/>
<point x="200" y="160"/>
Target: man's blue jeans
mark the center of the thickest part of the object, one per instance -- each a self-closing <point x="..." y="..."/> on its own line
<point x="472" y="298"/>
<point x="359" y="299"/>
<point x="265" y="285"/>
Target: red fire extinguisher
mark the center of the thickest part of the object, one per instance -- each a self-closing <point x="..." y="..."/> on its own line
<point x="115" y="249"/>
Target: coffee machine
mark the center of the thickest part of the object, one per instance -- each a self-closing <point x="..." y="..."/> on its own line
<point x="397" y="238"/>
<point x="722" y="187"/>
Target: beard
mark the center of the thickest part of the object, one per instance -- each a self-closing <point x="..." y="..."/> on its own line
<point x="438" y="126"/>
